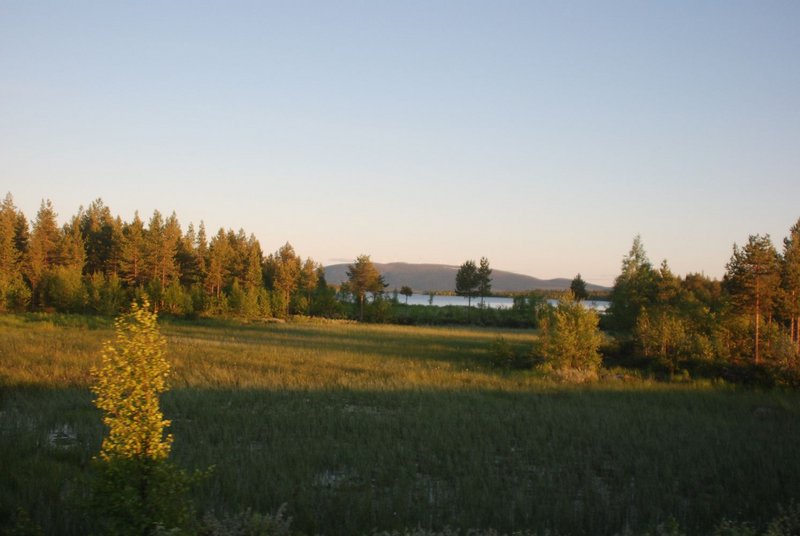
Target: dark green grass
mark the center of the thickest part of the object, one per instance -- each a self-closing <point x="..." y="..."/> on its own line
<point x="423" y="434"/>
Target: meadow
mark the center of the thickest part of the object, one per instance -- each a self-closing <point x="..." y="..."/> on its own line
<point x="363" y="427"/>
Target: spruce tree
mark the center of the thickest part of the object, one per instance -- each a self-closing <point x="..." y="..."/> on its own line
<point x="578" y="288"/>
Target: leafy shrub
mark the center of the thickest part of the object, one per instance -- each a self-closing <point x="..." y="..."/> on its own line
<point x="504" y="355"/>
<point x="63" y="289"/>
<point x="176" y="300"/>
<point x="136" y="488"/>
<point x="141" y="496"/>
<point x="14" y="294"/>
<point x="662" y="334"/>
<point x="379" y="310"/>
<point x="570" y="338"/>
<point x="105" y="295"/>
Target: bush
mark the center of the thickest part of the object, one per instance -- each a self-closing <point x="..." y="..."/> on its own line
<point x="105" y="295"/>
<point x="570" y="338"/>
<point x="136" y="489"/>
<point x="177" y="301"/>
<point x="503" y="355"/>
<point x="14" y="294"/>
<point x="379" y="310"/>
<point x="141" y="496"/>
<point x="63" y="289"/>
<point x="244" y="302"/>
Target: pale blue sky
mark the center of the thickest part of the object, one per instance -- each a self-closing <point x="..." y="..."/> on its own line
<point x="543" y="135"/>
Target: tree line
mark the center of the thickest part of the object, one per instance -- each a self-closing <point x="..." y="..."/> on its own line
<point x="744" y="328"/>
<point x="751" y="316"/>
<point x="96" y="263"/>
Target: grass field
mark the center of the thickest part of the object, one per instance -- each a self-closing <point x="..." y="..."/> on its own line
<point x="360" y="427"/>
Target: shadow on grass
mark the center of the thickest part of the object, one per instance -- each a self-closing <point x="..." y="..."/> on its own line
<point x="575" y="461"/>
<point x="420" y="344"/>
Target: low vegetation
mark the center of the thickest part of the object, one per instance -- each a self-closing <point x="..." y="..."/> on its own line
<point x="317" y="424"/>
<point x="359" y="427"/>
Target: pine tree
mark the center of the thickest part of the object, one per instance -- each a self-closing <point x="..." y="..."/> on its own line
<point x="22" y="235"/>
<point x="132" y="252"/>
<point x="752" y="279"/>
<point x="406" y="291"/>
<point x="161" y="246"/>
<point x="253" y="275"/>
<point x="364" y="277"/>
<point x="484" y="279"/>
<point x="188" y="264"/>
<point x="98" y="231"/>
<point x="44" y="244"/>
<point x="306" y="284"/>
<point x="790" y="282"/>
<point x="71" y="249"/>
<point x="202" y="249"/>
<point x="468" y="281"/>
<point x="14" y="293"/>
<point x="283" y="271"/>
<point x="9" y="252"/>
<point x="219" y="253"/>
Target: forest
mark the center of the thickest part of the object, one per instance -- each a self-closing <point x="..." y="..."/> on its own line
<point x="97" y="263"/>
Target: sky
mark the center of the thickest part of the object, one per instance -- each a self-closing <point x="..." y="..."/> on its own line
<point x="543" y="135"/>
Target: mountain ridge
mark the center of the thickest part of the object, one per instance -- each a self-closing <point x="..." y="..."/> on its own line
<point x="424" y="277"/>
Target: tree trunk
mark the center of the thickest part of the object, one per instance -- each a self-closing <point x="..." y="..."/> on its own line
<point x="796" y="320"/>
<point x="758" y="322"/>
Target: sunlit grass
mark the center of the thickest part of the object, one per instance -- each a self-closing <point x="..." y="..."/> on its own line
<point x="275" y="356"/>
<point x="359" y="427"/>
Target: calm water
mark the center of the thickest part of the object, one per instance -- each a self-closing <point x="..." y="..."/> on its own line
<point x="493" y="302"/>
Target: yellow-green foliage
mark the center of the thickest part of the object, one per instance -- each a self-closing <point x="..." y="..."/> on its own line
<point x="132" y="375"/>
<point x="660" y="333"/>
<point x="570" y="337"/>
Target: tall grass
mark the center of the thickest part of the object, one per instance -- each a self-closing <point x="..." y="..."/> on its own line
<point x="361" y="427"/>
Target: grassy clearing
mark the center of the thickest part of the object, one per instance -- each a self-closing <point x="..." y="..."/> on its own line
<point x="360" y="427"/>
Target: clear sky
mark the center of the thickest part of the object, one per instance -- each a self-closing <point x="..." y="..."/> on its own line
<point x="542" y="135"/>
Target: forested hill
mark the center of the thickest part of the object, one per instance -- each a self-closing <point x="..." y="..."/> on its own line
<point x="442" y="277"/>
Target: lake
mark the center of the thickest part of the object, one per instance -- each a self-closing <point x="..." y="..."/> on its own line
<point x="493" y="302"/>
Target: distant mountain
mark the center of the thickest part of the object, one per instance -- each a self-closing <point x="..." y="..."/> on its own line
<point x="442" y="277"/>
